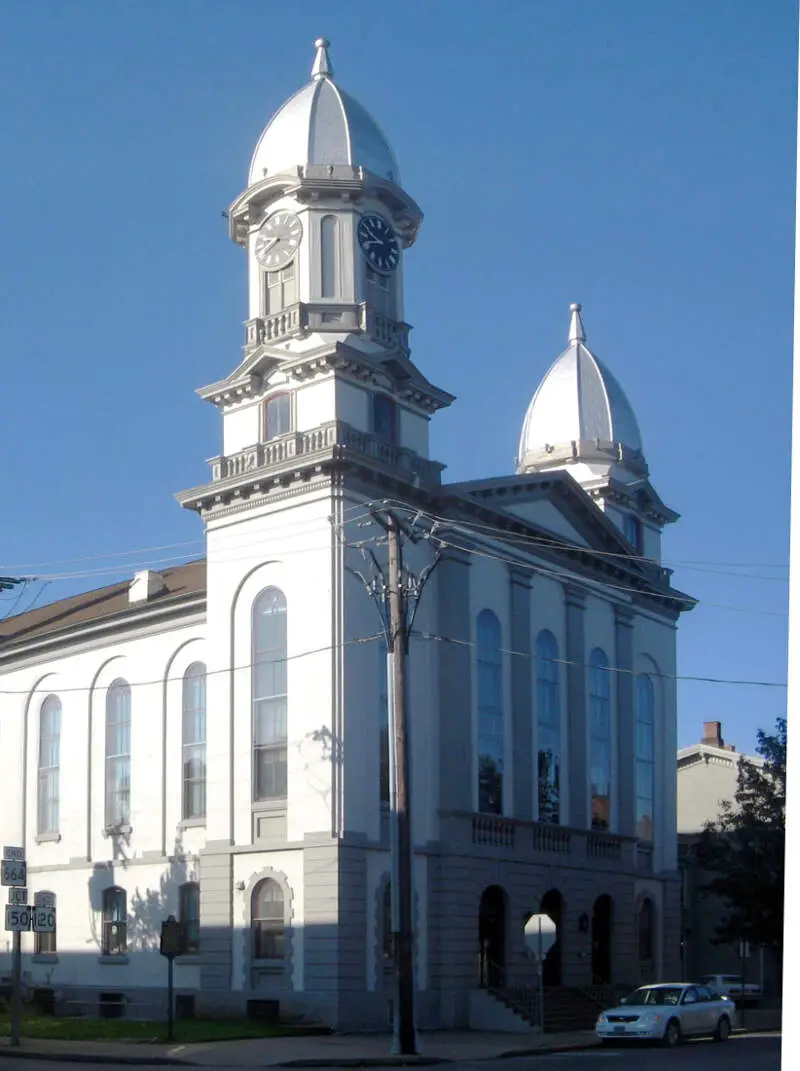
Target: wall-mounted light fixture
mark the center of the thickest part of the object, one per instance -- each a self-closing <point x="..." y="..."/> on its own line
<point x="240" y="886"/>
<point x="583" y="923"/>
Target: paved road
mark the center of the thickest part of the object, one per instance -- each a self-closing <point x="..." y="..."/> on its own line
<point x="739" y="1054"/>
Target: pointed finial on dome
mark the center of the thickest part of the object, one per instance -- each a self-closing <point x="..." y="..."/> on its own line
<point x="322" y="65"/>
<point x="576" y="331"/>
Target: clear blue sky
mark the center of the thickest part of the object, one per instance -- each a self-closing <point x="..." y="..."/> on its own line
<point x="636" y="157"/>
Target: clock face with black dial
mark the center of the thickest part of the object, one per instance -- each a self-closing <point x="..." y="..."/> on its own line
<point x="380" y="244"/>
<point x="278" y="240"/>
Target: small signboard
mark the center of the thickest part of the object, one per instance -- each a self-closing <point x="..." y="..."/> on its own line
<point x="18" y="918"/>
<point x="540" y="935"/>
<point x="44" y="920"/>
<point x="44" y="899"/>
<point x="14" y="872"/>
<point x="17" y="855"/>
<point x="17" y="894"/>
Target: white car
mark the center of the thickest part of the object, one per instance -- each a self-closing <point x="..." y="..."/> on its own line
<point x="667" y="1013"/>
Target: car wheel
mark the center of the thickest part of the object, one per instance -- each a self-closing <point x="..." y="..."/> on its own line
<point x="672" y="1034"/>
<point x="723" y="1031"/>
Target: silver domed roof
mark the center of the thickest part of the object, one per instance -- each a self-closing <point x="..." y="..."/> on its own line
<point x="579" y="402"/>
<point x="322" y="125"/>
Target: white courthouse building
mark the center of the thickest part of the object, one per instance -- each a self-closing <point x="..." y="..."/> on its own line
<point x="211" y="741"/>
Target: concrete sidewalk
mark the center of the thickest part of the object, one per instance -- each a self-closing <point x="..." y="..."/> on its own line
<point x="331" y="1050"/>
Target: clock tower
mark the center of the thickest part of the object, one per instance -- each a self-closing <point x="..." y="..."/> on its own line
<point x="326" y="225"/>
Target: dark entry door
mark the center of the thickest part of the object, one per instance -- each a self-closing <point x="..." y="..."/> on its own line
<point x="492" y="937"/>
<point x="601" y="940"/>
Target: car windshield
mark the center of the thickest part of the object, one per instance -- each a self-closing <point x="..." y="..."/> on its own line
<point x="664" y="994"/>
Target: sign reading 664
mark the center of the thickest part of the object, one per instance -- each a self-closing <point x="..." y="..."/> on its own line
<point x="13" y="872"/>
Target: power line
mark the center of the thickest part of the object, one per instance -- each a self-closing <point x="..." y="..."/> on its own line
<point x="675" y="596"/>
<point x="210" y="672"/>
<point x="28" y="567"/>
<point x="563" y="543"/>
<point x="532" y="656"/>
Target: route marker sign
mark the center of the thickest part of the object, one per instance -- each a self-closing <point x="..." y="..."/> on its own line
<point x="44" y="920"/>
<point x="14" y="872"/>
<point x="18" y="894"/>
<point x="18" y="919"/>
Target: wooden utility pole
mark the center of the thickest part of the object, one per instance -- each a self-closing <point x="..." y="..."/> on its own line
<point x="404" y="938"/>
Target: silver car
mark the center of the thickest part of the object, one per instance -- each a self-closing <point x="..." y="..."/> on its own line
<point x="667" y="1013"/>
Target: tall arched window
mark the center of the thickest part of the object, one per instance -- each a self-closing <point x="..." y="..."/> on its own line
<point x="644" y="756"/>
<point x="194" y="741"/>
<point x="548" y="726"/>
<point x="268" y="928"/>
<point x="269" y="695"/>
<point x="118" y="754"/>
<point x="491" y="743"/>
<point x="277" y="415"/>
<point x="383" y="713"/>
<point x="329" y="241"/>
<point x="49" y="757"/>
<point x="600" y="739"/>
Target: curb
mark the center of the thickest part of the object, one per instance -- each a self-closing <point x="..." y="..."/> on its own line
<point x="367" y="1061"/>
<point x="94" y="1058"/>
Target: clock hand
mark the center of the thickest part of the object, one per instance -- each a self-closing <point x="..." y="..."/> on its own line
<point x="269" y="243"/>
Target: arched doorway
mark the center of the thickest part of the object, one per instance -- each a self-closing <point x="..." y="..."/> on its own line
<point x="553" y="905"/>
<point x="492" y="937"/>
<point x="601" y="940"/>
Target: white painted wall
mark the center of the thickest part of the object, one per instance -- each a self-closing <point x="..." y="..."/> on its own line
<point x="241" y="427"/>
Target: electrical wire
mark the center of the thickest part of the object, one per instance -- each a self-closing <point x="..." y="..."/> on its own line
<point x="558" y="575"/>
<point x="563" y="543"/>
<point x="532" y="656"/>
<point x="214" y="672"/>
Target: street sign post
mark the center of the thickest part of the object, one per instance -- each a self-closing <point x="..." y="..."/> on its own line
<point x="171" y="946"/>
<point x="14" y="873"/>
<point x="540" y="935"/>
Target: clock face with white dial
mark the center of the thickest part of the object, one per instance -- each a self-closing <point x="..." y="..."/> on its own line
<point x="278" y="240"/>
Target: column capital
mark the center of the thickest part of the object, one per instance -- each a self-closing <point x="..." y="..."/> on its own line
<point x="574" y="595"/>
<point x="624" y="615"/>
<point x="520" y="575"/>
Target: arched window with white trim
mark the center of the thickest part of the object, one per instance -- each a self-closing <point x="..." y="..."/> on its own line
<point x="644" y="750"/>
<point x="329" y="257"/>
<point x="118" y="754"/>
<point x="548" y="726"/>
<point x="194" y="741"/>
<point x="600" y="739"/>
<point x="491" y="737"/>
<point x="269" y="677"/>
<point x="267" y="923"/>
<point x="47" y="822"/>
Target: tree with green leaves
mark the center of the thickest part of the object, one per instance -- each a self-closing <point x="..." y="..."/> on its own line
<point x="743" y="850"/>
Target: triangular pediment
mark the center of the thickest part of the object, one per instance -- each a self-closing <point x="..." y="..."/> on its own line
<point x="395" y="371"/>
<point x="554" y="503"/>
